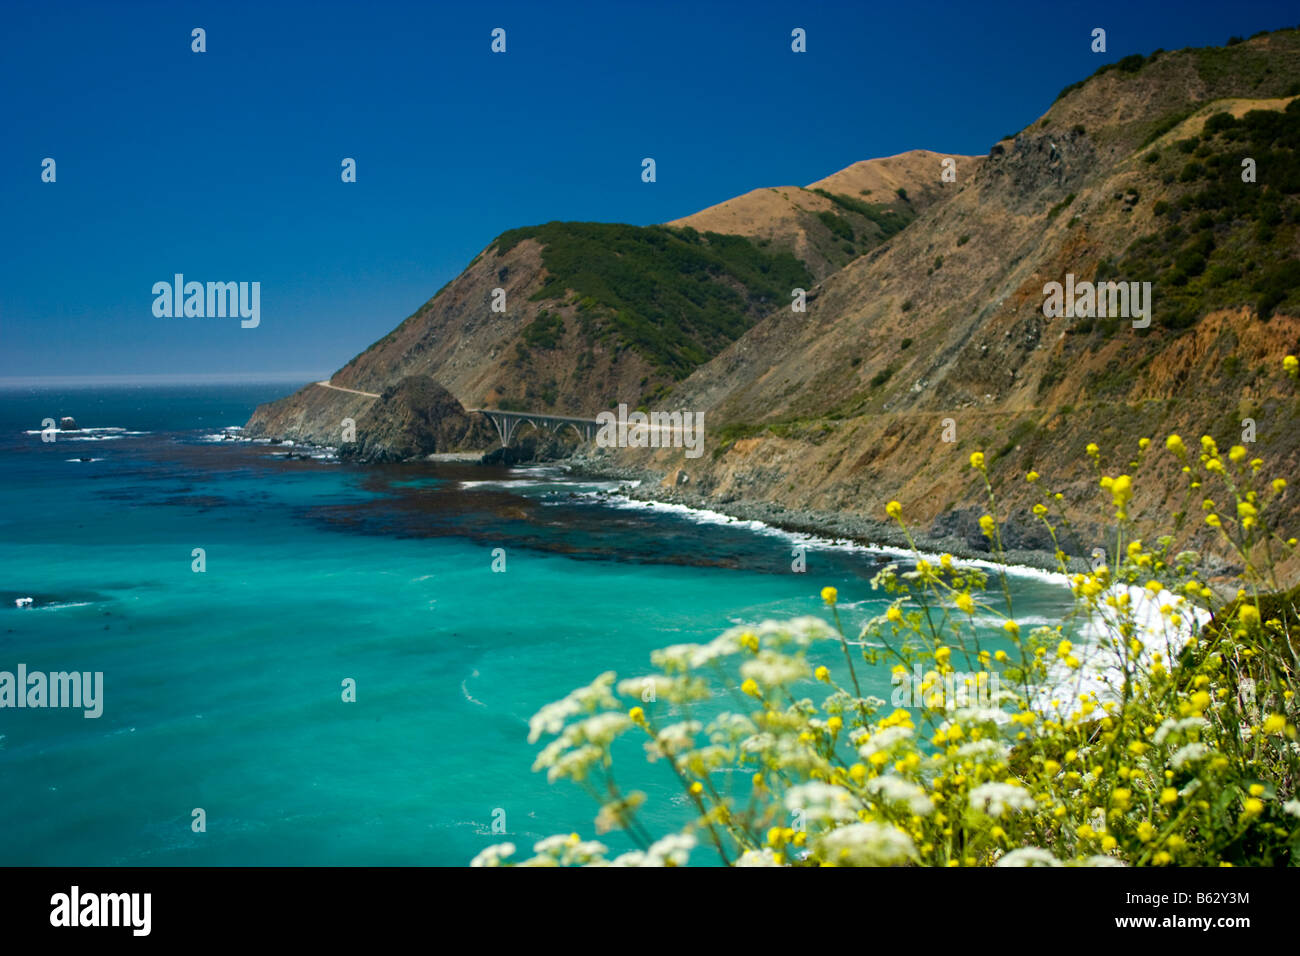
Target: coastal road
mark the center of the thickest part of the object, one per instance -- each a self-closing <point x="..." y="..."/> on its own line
<point x="340" y="388"/>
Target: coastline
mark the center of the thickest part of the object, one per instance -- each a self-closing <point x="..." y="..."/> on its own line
<point x="647" y="486"/>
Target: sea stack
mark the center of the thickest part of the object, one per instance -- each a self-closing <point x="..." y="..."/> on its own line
<point x="68" y="424"/>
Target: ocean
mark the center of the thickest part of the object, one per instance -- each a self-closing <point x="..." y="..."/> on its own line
<point x="223" y="689"/>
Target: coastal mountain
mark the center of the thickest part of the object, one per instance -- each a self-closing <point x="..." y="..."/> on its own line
<point x="925" y="336"/>
<point x="588" y="315"/>
<point x="830" y="222"/>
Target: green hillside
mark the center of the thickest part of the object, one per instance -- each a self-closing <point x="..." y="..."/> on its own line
<point x="675" y="296"/>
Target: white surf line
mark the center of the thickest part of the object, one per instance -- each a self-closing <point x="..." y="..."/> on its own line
<point x="340" y="388"/>
<point x="1090" y="632"/>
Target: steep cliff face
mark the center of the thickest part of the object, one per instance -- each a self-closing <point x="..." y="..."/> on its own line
<point x="941" y="333"/>
<point x="564" y="318"/>
<point x="925" y="336"/>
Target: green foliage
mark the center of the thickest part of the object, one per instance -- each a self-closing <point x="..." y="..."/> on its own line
<point x="838" y="227"/>
<point x="888" y="220"/>
<point x="1056" y="210"/>
<point x="1165" y="124"/>
<point x="1228" y="242"/>
<point x="881" y="377"/>
<point x="544" y="331"/>
<point x="1151" y="725"/>
<point x="677" y="297"/>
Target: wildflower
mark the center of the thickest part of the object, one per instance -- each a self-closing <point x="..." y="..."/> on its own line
<point x="866" y="844"/>
<point x="1291" y="365"/>
<point x="750" y="687"/>
<point x="829" y="594"/>
<point x="1028" y="856"/>
<point x="1121" y="492"/>
<point x="1012" y="628"/>
<point x="987" y="525"/>
<point x="493" y="855"/>
<point x="763" y="857"/>
<point x="893" y="789"/>
<point x="1145" y="831"/>
<point x="996" y="799"/>
<point x="1273" y="723"/>
<point x="1031" y="477"/>
<point x="823" y="674"/>
<point x="637" y="716"/>
<point x="977" y="460"/>
<point x="1175" y="445"/>
<point x="1168" y="795"/>
<point x="965" y="602"/>
<point x="1252" y="807"/>
<point x="1092" y="450"/>
<point x="894" y="615"/>
<point x="894" y="510"/>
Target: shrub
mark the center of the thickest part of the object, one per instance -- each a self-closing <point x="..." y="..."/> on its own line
<point x="1165" y="738"/>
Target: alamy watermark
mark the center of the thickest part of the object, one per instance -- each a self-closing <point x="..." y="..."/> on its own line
<point x="215" y="300"/>
<point x="75" y="909"/>
<point x="1099" y="300"/>
<point x="75" y="689"/>
<point x="651" y="430"/>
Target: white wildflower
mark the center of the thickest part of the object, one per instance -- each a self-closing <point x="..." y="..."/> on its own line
<point x="1188" y="754"/>
<point x="550" y="719"/>
<point x="887" y="739"/>
<point x="894" y="789"/>
<point x="493" y="855"/>
<point x="763" y="857"/>
<point x="1028" y="856"/>
<point x="823" y="802"/>
<point x="867" y="844"/>
<point x="995" y="799"/>
<point x="773" y="669"/>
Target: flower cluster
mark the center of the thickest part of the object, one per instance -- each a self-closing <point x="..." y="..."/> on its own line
<point x="1153" y="725"/>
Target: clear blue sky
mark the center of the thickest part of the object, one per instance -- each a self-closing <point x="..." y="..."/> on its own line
<point x="225" y="165"/>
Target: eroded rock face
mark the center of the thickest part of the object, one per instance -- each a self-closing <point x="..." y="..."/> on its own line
<point x="414" y="418"/>
<point x="68" y="424"/>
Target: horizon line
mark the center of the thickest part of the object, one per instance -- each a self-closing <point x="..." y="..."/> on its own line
<point x="164" y="378"/>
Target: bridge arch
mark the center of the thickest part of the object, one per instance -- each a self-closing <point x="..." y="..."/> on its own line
<point x="507" y="423"/>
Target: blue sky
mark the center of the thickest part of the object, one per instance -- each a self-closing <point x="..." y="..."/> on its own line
<point x="225" y="165"/>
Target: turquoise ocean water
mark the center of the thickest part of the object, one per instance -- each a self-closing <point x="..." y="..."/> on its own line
<point x="222" y="689"/>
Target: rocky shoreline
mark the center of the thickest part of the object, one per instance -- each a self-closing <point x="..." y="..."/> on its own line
<point x="864" y="530"/>
<point x="836" y="526"/>
<point x="956" y="538"/>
